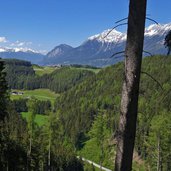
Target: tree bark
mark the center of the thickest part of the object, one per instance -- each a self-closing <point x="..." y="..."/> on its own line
<point x="49" y="154"/>
<point x="159" y="161"/>
<point x="130" y="90"/>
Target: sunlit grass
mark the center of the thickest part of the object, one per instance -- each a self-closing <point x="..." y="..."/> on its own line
<point x="40" y="70"/>
<point x="40" y="120"/>
<point x="41" y="94"/>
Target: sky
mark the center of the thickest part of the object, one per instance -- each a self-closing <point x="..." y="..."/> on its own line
<point x="44" y="24"/>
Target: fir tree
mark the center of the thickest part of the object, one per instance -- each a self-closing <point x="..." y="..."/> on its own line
<point x="3" y="92"/>
<point x="167" y="42"/>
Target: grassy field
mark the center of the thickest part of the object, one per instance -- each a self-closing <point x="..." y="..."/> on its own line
<point x="39" y="70"/>
<point x="40" y="120"/>
<point x="89" y="69"/>
<point x="41" y="94"/>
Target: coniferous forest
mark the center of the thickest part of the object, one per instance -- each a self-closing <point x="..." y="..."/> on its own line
<point x="84" y="120"/>
<point x="103" y="105"/>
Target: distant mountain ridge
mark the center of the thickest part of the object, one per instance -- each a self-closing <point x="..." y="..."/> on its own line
<point x="97" y="49"/>
<point x="22" y="53"/>
<point x="59" y="50"/>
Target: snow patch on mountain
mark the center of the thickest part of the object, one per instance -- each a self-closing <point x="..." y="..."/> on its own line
<point x="114" y="36"/>
<point x="109" y="36"/>
<point x="157" y="29"/>
<point x="27" y="50"/>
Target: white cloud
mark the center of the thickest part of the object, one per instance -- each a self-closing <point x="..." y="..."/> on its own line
<point x="3" y="40"/>
<point x="20" y="44"/>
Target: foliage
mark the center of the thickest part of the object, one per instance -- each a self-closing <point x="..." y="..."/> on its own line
<point x="86" y="119"/>
<point x="40" y="70"/>
<point x="40" y="106"/>
<point x="40" y="119"/>
<point x="21" y="75"/>
<point x="23" y="145"/>
<point x="18" y="72"/>
<point x="63" y="79"/>
<point x="98" y="147"/>
<point x="167" y="42"/>
<point x="102" y="92"/>
<point x="3" y="92"/>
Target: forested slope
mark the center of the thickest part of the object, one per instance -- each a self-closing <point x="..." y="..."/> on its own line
<point x="26" y="145"/>
<point x="21" y="75"/>
<point x="80" y="108"/>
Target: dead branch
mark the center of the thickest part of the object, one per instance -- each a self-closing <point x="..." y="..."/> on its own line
<point x="117" y="53"/>
<point x="146" y="18"/>
<point x="152" y="20"/>
<point x="114" y="28"/>
<point x="121" y="20"/>
<point x="147" y="52"/>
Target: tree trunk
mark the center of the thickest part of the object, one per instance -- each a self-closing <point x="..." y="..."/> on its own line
<point x="130" y="90"/>
<point x="49" y="154"/>
<point x="159" y="161"/>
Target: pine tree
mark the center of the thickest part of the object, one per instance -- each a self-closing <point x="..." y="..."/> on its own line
<point x="3" y="92"/>
<point x="31" y="125"/>
<point x="167" y="42"/>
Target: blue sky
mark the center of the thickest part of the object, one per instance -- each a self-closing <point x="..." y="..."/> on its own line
<point x="43" y="24"/>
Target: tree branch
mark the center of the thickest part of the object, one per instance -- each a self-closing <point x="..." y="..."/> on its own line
<point x="121" y="20"/>
<point x="114" y="28"/>
<point x="147" y="52"/>
<point x="127" y="18"/>
<point x="152" y="20"/>
<point x="117" y="53"/>
<point x="152" y="78"/>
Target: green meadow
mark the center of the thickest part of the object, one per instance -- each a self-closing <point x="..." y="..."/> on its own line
<point x="39" y="70"/>
<point x="40" y="120"/>
<point x="40" y="94"/>
<point x="95" y="70"/>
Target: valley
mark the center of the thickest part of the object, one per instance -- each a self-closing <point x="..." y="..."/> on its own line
<point x="89" y="119"/>
<point x="85" y="85"/>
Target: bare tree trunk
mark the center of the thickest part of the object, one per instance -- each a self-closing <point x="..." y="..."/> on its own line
<point x="159" y="162"/>
<point x="49" y="154"/>
<point x="29" y="151"/>
<point x="130" y="91"/>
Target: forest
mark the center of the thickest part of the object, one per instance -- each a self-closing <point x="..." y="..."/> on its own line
<point x="59" y="115"/>
<point x="21" y="75"/>
<point x="87" y="126"/>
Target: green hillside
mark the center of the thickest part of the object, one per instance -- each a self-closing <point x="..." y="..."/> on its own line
<point x="18" y="72"/>
<point x="100" y="95"/>
<point x="22" y="75"/>
<point x="86" y="113"/>
<point x="41" y="70"/>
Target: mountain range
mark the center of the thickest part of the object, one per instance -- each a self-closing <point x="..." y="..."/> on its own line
<point x="97" y="49"/>
<point x="22" y="53"/>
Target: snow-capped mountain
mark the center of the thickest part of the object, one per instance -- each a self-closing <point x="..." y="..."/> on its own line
<point x="109" y="36"/>
<point x="22" y="53"/>
<point x="98" y="49"/>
